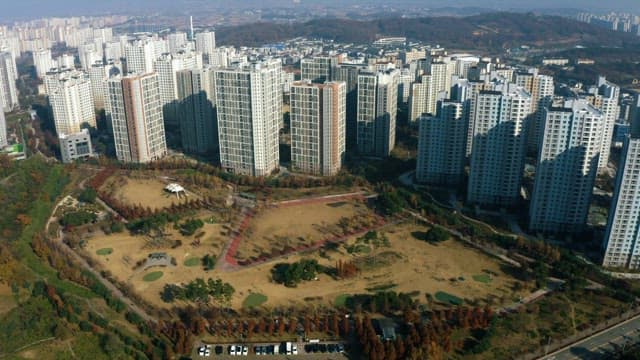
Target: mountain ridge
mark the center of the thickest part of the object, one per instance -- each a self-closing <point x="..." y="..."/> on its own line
<point x="493" y="31"/>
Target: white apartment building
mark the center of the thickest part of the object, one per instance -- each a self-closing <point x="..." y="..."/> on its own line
<point x="426" y="92"/>
<point x="113" y="50"/>
<point x="541" y="88"/>
<point x="567" y="168"/>
<point x="43" y="61"/>
<point x="349" y="74"/>
<point x="377" y="111"/>
<point x="75" y="146"/>
<point x="318" y="127"/>
<point x="497" y="157"/>
<point x="249" y="108"/>
<point x="196" y="113"/>
<point x="8" y="77"/>
<point x="404" y="85"/>
<point x="167" y="67"/>
<point x="140" y="55"/>
<point x="71" y="101"/>
<point x="4" y="140"/>
<point x="441" y="145"/>
<point x="136" y="117"/>
<point x="622" y="239"/>
<point x="206" y="45"/>
<point x="318" y="69"/>
<point x="177" y="42"/>
<point x="98" y="75"/>
<point x="605" y="96"/>
<point x="66" y="61"/>
<point x="473" y="88"/>
<point x="89" y="54"/>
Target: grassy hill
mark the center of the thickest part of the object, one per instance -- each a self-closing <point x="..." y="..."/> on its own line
<point x="492" y="31"/>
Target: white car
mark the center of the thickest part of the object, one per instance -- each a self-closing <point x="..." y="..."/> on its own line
<point x="294" y="349"/>
<point x="202" y="350"/>
<point x="232" y="350"/>
<point x="245" y="351"/>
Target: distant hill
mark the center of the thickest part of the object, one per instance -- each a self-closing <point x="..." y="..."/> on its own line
<point x="491" y="31"/>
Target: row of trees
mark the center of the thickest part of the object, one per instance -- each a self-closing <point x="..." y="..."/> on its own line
<point x="420" y="339"/>
<point x="289" y="181"/>
<point x="332" y="324"/>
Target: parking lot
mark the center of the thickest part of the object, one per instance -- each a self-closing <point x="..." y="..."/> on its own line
<point x="323" y="350"/>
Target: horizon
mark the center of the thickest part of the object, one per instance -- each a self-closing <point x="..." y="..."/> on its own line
<point x="34" y="9"/>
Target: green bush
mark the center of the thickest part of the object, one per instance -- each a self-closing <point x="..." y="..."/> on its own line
<point x="209" y="262"/>
<point x="190" y="226"/>
<point x="436" y="234"/>
<point x="88" y="195"/>
<point x="77" y="218"/>
<point x="198" y="290"/>
<point x="292" y="274"/>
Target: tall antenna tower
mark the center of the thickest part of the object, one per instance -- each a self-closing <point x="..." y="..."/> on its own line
<point x="191" y="27"/>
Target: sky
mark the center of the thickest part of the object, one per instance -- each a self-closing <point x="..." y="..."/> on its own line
<point x="21" y="9"/>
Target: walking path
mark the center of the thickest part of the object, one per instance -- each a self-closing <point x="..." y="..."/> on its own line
<point x="115" y="291"/>
<point x="227" y="260"/>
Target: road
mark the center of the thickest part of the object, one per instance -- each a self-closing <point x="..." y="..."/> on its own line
<point x="601" y="345"/>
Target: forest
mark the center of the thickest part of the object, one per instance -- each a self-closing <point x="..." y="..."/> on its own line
<point x="492" y="31"/>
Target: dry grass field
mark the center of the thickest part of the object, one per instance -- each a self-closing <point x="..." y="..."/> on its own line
<point x="403" y="264"/>
<point x="407" y="265"/>
<point x="295" y="225"/>
<point x="143" y="191"/>
<point x="127" y="250"/>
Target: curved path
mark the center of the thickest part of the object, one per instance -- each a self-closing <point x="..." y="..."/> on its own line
<point x="115" y="291"/>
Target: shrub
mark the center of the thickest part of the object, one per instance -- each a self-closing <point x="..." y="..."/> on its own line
<point x="88" y="195"/>
<point x="436" y="234"/>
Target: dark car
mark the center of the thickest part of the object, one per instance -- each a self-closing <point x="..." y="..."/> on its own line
<point x="332" y="348"/>
<point x="323" y="348"/>
<point x="219" y="350"/>
<point x="270" y="350"/>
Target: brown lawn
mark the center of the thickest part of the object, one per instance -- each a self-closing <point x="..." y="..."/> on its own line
<point x="145" y="192"/>
<point x="128" y="250"/>
<point x="295" y="225"/>
<point x="407" y="265"/>
<point x="419" y="266"/>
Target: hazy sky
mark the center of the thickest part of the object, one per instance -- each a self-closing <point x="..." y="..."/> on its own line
<point x="12" y="9"/>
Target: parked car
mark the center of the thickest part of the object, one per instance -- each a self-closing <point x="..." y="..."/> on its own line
<point x="245" y="351"/>
<point x="219" y="350"/>
<point x="232" y="350"/>
<point x="294" y="349"/>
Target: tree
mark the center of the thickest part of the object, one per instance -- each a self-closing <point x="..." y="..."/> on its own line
<point x="389" y="201"/>
<point x="292" y="274"/>
<point x="88" y="195"/>
<point x="112" y="345"/>
<point x="436" y="234"/>
<point x="209" y="262"/>
<point x="190" y="226"/>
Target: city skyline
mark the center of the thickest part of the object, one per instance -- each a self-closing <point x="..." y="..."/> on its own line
<point x="366" y="187"/>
